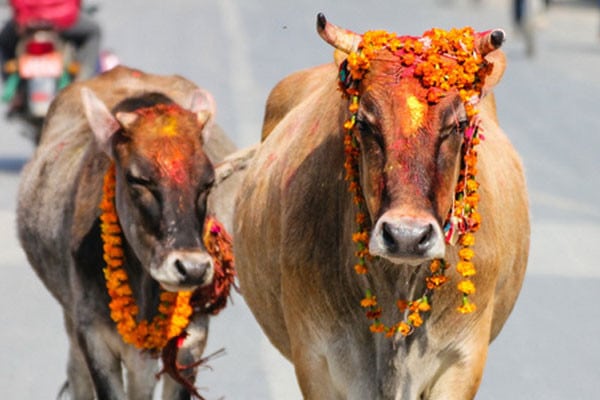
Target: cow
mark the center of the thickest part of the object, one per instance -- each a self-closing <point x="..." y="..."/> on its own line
<point x="296" y="223"/>
<point x="159" y="134"/>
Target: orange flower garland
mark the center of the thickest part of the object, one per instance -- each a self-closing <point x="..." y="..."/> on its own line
<point x="441" y="60"/>
<point x="174" y="309"/>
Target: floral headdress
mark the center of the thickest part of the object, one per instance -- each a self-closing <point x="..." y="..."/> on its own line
<point x="442" y="61"/>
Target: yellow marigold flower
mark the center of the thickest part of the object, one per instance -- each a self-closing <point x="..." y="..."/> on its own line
<point x="472" y="185"/>
<point x="466" y="286"/>
<point x="404" y="328"/>
<point x="468" y="239"/>
<point x="465" y="268"/>
<point x="466" y="253"/>
<point x="424" y="306"/>
<point x="467" y="307"/>
<point x="415" y="319"/>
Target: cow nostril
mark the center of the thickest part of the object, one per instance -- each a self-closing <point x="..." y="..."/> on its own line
<point x="180" y="268"/>
<point x="389" y="240"/>
<point x="425" y="238"/>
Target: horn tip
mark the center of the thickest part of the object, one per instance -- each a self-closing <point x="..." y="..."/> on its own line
<point x="497" y="38"/>
<point x="321" y="21"/>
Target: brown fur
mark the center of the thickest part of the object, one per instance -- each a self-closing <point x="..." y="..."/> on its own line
<point x="294" y="257"/>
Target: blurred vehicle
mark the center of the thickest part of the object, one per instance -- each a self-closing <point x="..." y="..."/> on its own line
<point x="45" y="62"/>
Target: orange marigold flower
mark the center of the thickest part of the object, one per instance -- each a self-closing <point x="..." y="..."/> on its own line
<point x="377" y="327"/>
<point x="434" y="282"/>
<point x="360" y="237"/>
<point x="369" y="301"/>
<point x="360" y="269"/>
<point x="402" y="305"/>
<point x="435" y="265"/>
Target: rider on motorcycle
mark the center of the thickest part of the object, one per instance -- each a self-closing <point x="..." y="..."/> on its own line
<point x="66" y="17"/>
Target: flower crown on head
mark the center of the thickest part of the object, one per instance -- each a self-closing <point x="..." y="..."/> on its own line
<point x="442" y="61"/>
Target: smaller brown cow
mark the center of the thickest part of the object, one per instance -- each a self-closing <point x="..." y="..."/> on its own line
<point x="160" y="137"/>
<point x="406" y="133"/>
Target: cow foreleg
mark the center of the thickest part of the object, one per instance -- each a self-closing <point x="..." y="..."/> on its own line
<point x="102" y="361"/>
<point x="189" y="353"/>
<point x="79" y="384"/>
<point x="461" y="380"/>
<point x="142" y="368"/>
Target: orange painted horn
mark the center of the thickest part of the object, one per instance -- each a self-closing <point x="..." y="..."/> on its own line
<point x="342" y="39"/>
<point x="490" y="41"/>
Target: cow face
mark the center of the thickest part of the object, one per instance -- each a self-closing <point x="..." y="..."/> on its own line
<point x="410" y="122"/>
<point x="410" y="158"/>
<point x="162" y="181"/>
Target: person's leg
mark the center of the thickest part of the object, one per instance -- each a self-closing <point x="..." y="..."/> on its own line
<point x="518" y="8"/>
<point x="8" y="41"/>
<point x="86" y="35"/>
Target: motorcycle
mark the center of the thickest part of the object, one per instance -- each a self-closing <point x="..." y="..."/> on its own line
<point x="44" y="64"/>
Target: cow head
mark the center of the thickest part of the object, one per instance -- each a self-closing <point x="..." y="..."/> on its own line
<point x="162" y="181"/>
<point x="410" y="133"/>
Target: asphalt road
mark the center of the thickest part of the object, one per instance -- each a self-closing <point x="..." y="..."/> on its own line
<point x="549" y="106"/>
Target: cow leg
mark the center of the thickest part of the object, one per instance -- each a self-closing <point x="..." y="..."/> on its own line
<point x="141" y="373"/>
<point x="190" y="352"/>
<point x="103" y="363"/>
<point x="79" y="383"/>
<point x="313" y="375"/>
<point x="461" y="380"/>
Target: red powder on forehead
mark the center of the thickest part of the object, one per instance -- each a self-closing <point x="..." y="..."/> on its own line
<point x="171" y="164"/>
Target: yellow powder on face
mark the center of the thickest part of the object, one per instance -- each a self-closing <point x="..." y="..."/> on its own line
<point x="416" y="111"/>
<point x="170" y="126"/>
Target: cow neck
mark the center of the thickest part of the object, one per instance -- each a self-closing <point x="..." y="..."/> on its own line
<point x="166" y="331"/>
<point x="428" y="60"/>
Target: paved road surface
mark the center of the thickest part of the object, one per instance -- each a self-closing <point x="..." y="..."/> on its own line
<point x="550" y="348"/>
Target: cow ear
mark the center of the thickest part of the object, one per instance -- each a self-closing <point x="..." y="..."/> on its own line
<point x="498" y="61"/>
<point x="203" y="105"/>
<point x="127" y="119"/>
<point x="339" y="57"/>
<point x="101" y="121"/>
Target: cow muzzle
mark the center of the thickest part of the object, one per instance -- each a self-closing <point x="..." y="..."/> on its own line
<point x="184" y="270"/>
<point x="407" y="240"/>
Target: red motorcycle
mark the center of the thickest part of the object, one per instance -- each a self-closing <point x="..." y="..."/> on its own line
<point x="44" y="64"/>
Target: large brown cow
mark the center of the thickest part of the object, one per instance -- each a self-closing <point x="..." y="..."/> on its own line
<point x="161" y="138"/>
<point x="296" y="224"/>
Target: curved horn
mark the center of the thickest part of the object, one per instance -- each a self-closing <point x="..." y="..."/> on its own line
<point x="490" y="41"/>
<point x="342" y="39"/>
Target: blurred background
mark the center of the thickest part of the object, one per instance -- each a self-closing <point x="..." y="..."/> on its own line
<point x="548" y="103"/>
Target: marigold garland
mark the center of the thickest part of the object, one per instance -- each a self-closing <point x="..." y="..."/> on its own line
<point x="174" y="309"/>
<point x="442" y="61"/>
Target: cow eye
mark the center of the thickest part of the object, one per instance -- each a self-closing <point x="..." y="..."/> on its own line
<point x="137" y="180"/>
<point x="457" y="128"/>
<point x="203" y="194"/>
